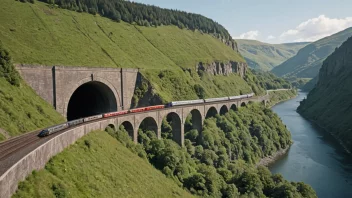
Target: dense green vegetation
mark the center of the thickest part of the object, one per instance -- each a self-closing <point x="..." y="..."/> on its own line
<point x="21" y="110"/>
<point x="329" y="103"/>
<point x="265" y="56"/>
<point x="308" y="61"/>
<point x="298" y="83"/>
<point x="279" y="96"/>
<point x="269" y="81"/>
<point x="98" y="166"/>
<point x="220" y="161"/>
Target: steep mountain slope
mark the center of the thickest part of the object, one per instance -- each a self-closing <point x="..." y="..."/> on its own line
<point x="39" y="34"/>
<point x="329" y="103"/>
<point x="308" y="61"/>
<point x="98" y="166"/>
<point x="21" y="109"/>
<point x="265" y="56"/>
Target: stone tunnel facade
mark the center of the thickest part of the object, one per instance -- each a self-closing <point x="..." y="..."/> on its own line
<point x="57" y="84"/>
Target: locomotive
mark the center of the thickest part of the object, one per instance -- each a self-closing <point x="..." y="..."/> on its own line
<point x="60" y="127"/>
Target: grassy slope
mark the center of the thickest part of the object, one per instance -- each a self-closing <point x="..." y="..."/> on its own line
<point x="22" y="110"/>
<point x="308" y="61"/>
<point x="265" y="56"/>
<point x="104" y="169"/>
<point x="329" y="102"/>
<point x="35" y="33"/>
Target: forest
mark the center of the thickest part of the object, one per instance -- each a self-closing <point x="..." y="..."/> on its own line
<point x="220" y="161"/>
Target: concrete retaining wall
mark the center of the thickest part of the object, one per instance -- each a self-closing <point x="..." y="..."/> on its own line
<point x="37" y="158"/>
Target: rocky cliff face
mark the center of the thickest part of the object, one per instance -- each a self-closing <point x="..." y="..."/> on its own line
<point x="232" y="44"/>
<point x="218" y="68"/>
<point x="329" y="104"/>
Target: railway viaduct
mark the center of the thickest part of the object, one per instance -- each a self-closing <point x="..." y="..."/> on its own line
<point x="114" y="89"/>
<point x="16" y="166"/>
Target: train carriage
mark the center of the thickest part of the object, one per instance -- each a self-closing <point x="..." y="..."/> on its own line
<point x="93" y="118"/>
<point x="117" y="113"/>
<point x="185" y="102"/>
<point x="51" y="130"/>
<point x="216" y="99"/>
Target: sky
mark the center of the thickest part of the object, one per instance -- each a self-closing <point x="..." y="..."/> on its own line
<point x="270" y="21"/>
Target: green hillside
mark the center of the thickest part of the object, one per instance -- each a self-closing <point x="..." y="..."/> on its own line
<point x="329" y="103"/>
<point x="265" y="56"/>
<point x="39" y="34"/>
<point x="167" y="56"/>
<point x="98" y="166"/>
<point x="308" y="61"/>
<point x="21" y="109"/>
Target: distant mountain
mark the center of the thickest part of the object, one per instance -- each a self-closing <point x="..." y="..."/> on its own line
<point x="329" y="103"/>
<point x="307" y="62"/>
<point x="265" y="56"/>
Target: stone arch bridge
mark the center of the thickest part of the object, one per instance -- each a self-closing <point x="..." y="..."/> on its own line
<point x="152" y="120"/>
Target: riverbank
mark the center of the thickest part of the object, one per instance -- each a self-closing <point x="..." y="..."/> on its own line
<point x="266" y="161"/>
<point x="327" y="131"/>
<point x="280" y="96"/>
<point x="275" y="98"/>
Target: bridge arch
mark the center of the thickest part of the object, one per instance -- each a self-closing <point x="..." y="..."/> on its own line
<point x="211" y="112"/>
<point x="175" y="120"/>
<point x="112" y="126"/>
<point x="149" y="124"/>
<point x="197" y="120"/>
<point x="90" y="97"/>
<point x="128" y="127"/>
<point x="233" y="107"/>
<point x="243" y="104"/>
<point x="224" y="110"/>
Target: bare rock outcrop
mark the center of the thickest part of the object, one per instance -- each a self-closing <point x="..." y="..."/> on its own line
<point x="219" y="68"/>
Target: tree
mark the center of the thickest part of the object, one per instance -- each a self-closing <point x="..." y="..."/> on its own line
<point x="7" y="70"/>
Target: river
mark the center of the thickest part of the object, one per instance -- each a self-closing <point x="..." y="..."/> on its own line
<point x="315" y="157"/>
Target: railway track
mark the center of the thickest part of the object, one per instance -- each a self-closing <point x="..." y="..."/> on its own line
<point x="8" y="149"/>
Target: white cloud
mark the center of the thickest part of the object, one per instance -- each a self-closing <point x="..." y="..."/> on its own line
<point x="270" y="37"/>
<point x="315" y="29"/>
<point x="253" y="34"/>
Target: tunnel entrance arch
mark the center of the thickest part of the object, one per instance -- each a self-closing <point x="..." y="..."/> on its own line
<point x="89" y="99"/>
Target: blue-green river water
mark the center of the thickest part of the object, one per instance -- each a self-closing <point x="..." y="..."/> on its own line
<point x="315" y="157"/>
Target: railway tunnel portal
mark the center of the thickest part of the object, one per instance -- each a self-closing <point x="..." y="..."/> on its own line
<point x="89" y="99"/>
<point x="82" y="91"/>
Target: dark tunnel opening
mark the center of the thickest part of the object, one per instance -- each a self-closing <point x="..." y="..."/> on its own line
<point x="89" y="99"/>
